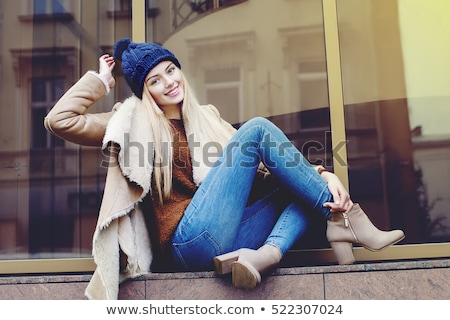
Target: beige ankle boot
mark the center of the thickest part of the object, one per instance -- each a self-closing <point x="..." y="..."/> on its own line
<point x="247" y="265"/>
<point x="355" y="227"/>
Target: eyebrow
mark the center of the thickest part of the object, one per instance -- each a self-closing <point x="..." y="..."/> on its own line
<point x="153" y="76"/>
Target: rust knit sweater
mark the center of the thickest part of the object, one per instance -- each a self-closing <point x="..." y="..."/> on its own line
<point x="165" y="217"/>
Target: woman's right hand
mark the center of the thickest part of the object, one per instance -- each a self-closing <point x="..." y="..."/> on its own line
<point x="107" y="64"/>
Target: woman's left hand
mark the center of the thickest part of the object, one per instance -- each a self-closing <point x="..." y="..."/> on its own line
<point x="106" y="67"/>
<point x="341" y="197"/>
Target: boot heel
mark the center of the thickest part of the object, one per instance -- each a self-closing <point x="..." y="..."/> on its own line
<point x="343" y="252"/>
<point x="223" y="263"/>
<point x="245" y="276"/>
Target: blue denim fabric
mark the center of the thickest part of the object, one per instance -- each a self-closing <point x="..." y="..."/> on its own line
<point x="219" y="219"/>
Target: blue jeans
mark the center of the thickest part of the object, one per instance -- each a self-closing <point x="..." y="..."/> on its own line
<point x="219" y="219"/>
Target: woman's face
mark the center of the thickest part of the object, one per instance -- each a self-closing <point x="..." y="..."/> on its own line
<point x="165" y="84"/>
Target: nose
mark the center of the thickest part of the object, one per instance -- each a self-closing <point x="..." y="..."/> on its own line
<point x="169" y="82"/>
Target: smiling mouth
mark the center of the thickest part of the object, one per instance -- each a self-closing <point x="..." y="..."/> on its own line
<point x="173" y="92"/>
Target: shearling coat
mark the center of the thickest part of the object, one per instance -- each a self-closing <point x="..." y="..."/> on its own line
<point x="121" y="225"/>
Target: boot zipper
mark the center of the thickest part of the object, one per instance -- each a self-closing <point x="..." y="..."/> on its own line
<point x="345" y="219"/>
<point x="347" y="225"/>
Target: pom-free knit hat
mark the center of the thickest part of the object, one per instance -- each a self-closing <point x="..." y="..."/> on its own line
<point x="138" y="59"/>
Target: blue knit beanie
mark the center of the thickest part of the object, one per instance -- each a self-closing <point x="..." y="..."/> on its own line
<point x="138" y="59"/>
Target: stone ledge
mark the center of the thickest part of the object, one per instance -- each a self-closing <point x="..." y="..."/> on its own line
<point x="421" y="279"/>
<point x="357" y="267"/>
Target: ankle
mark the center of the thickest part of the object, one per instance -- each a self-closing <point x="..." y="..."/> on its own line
<point x="270" y="253"/>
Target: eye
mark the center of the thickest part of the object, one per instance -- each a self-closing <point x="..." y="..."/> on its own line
<point x="171" y="70"/>
<point x="152" y="81"/>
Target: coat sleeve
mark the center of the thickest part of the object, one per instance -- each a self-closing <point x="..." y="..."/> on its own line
<point x="69" y="119"/>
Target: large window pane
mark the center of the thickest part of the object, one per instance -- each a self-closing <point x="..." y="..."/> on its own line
<point x="395" y="71"/>
<point x="269" y="62"/>
<point x="250" y="68"/>
<point x="50" y="189"/>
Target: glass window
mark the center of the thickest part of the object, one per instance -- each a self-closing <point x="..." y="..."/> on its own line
<point x="48" y="6"/>
<point x="122" y="5"/>
<point x="50" y="189"/>
<point x="396" y="93"/>
<point x="224" y="85"/>
<point x="394" y="59"/>
<point x="53" y="188"/>
<point x="313" y="88"/>
<point x="44" y="94"/>
<point x="249" y="67"/>
<point x="186" y="11"/>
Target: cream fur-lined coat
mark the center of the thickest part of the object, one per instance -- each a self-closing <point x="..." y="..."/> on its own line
<point x="120" y="224"/>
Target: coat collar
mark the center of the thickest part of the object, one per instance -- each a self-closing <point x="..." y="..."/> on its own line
<point x="128" y="128"/>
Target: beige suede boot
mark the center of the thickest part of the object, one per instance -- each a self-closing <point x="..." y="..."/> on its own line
<point x="247" y="265"/>
<point x="355" y="227"/>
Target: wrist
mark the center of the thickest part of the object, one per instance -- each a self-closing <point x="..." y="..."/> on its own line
<point x="327" y="175"/>
<point x="102" y="78"/>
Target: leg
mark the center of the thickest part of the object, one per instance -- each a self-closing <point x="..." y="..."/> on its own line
<point x="212" y="220"/>
<point x="247" y="265"/>
<point x="282" y="232"/>
<point x="194" y="247"/>
<point x="260" y="139"/>
<point x="289" y="166"/>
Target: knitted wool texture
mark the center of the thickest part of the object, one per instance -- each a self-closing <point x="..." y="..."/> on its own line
<point x="138" y="59"/>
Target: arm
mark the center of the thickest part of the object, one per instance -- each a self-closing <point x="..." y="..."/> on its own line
<point x="68" y="118"/>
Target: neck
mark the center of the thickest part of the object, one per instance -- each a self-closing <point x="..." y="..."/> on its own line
<point x="172" y="111"/>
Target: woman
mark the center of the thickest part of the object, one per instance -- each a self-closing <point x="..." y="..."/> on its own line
<point x="185" y="180"/>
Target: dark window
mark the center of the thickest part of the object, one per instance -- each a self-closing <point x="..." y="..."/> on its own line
<point x="48" y="7"/>
<point x="44" y="93"/>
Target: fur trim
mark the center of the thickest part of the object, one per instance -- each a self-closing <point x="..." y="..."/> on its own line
<point x="104" y="283"/>
<point x="125" y="231"/>
<point x="135" y="243"/>
<point x="128" y="128"/>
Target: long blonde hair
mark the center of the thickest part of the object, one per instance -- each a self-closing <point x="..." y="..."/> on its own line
<point x="203" y="130"/>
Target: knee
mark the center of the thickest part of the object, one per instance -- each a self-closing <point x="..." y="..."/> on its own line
<point x="259" y="121"/>
<point x="259" y="125"/>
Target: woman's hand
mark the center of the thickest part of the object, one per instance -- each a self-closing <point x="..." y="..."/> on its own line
<point x="341" y="197"/>
<point x="107" y="64"/>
